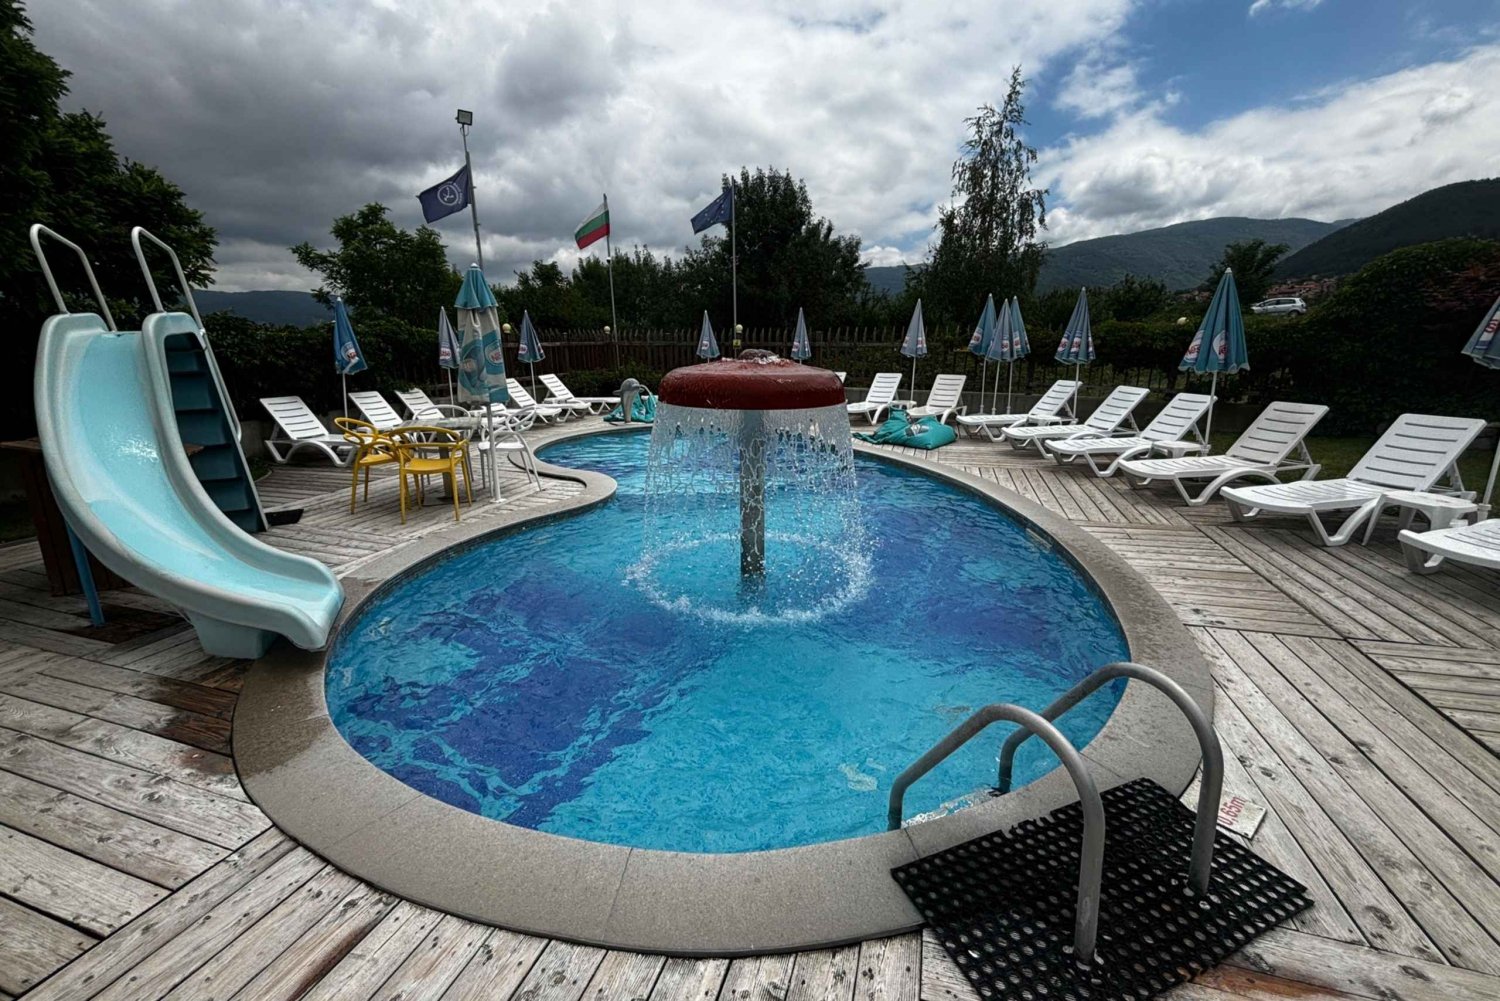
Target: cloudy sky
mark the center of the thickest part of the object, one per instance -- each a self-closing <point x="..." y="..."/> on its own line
<point x="277" y="115"/>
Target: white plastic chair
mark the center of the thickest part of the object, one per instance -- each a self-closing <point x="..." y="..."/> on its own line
<point x="374" y="408"/>
<point x="1115" y="410"/>
<point x="944" y="400"/>
<point x="1166" y="432"/>
<point x="1477" y="545"/>
<point x="300" y="428"/>
<point x="547" y="412"/>
<point x="421" y="407"/>
<point x="1415" y="453"/>
<point x="561" y="395"/>
<point x="877" y="401"/>
<point x="1055" y="402"/>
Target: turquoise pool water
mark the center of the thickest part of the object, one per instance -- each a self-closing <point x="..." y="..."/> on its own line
<point x="528" y="679"/>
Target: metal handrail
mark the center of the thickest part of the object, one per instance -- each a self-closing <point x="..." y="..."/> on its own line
<point x="140" y="255"/>
<point x="1209" y="790"/>
<point x="37" y="231"/>
<point x="1091" y="857"/>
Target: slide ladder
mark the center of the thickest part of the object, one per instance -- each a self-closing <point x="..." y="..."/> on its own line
<point x="205" y="415"/>
<point x="108" y="423"/>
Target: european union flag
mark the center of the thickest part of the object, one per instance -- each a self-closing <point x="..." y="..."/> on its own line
<point x="446" y="197"/>
<point x="719" y="210"/>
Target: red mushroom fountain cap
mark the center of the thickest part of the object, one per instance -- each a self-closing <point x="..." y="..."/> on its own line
<point x="756" y="380"/>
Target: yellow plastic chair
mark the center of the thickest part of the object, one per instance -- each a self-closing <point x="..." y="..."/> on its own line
<point x="371" y="448"/>
<point x="431" y="451"/>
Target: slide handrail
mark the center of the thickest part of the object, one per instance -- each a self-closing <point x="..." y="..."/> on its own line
<point x="136" y="233"/>
<point x="1209" y="790"/>
<point x="1091" y="857"/>
<point x="36" y="233"/>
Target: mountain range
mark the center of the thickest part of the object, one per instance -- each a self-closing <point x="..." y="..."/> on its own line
<point x="276" y="307"/>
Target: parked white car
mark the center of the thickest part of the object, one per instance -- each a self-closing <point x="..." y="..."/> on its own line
<point x="1288" y="304"/>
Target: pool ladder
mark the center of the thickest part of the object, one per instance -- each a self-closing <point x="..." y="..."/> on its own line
<point x="1091" y="858"/>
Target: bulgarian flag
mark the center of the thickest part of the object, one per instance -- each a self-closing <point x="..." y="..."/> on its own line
<point x="595" y="227"/>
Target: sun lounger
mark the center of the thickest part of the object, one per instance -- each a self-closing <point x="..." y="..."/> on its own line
<point x="421" y="407"/>
<point x="944" y="399"/>
<point x="561" y="395"/>
<point x="548" y="412"/>
<point x="1264" y="451"/>
<point x="1052" y="408"/>
<point x="878" y="400"/>
<point x="1167" y="432"/>
<point x="299" y="427"/>
<point x="841" y="375"/>
<point x="374" y="409"/>
<point x="1106" y="419"/>
<point x="1415" y="453"/>
<point x="1477" y="545"/>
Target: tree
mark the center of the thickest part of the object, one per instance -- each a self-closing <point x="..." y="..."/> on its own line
<point x="383" y="269"/>
<point x="987" y="234"/>
<point x="1253" y="261"/>
<point x="62" y="170"/>
<point x="1133" y="298"/>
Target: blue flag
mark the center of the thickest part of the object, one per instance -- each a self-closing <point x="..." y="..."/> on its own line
<point x="347" y="358"/>
<point x="446" y="197"/>
<point x="720" y="210"/>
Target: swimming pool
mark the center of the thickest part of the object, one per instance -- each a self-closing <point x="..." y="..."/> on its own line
<point x="526" y="678"/>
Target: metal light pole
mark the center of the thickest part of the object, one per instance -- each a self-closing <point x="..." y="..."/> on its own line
<point x="465" y="120"/>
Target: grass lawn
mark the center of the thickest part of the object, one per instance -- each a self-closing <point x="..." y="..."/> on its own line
<point x="1338" y="456"/>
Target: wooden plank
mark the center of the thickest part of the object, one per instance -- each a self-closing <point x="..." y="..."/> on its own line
<point x="32" y="945"/>
<point x="941" y="978"/>
<point x="561" y="972"/>
<point x="370" y="963"/>
<point x="624" y="976"/>
<point x="322" y="947"/>
<point x="688" y="980"/>
<point x="69" y="887"/>
<point x="151" y="687"/>
<point x="824" y="975"/>
<point x="499" y="966"/>
<point x="436" y="961"/>
<point x="1362" y="972"/>
<point x="757" y="978"/>
<point x="890" y="969"/>
<point x="110" y="959"/>
<point x="116" y="839"/>
<point x="241" y="960"/>
<point x="216" y="819"/>
<point x="208" y="732"/>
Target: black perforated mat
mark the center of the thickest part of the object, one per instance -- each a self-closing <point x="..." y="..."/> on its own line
<point x="1003" y="905"/>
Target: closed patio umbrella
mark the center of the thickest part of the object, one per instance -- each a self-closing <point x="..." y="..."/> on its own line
<point x="481" y="365"/>
<point x="1077" y="344"/>
<point x="530" y="349"/>
<point x="447" y="349"/>
<point x="801" y="344"/>
<point x="1019" y="346"/>
<point x="982" y="339"/>
<point x="1484" y="348"/>
<point x="1219" y="344"/>
<point x="914" y="345"/>
<point x="708" y="344"/>
<point x="347" y="358"/>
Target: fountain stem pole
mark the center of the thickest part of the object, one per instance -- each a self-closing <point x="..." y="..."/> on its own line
<point x="752" y="494"/>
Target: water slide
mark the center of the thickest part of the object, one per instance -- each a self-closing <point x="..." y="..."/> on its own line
<point x="113" y="449"/>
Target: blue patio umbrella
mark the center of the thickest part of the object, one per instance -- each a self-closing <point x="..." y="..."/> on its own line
<point x="999" y="350"/>
<point x="447" y="349"/>
<point x="1019" y="346"/>
<point x="1077" y="344"/>
<point x="983" y="338"/>
<point x="708" y="344"/>
<point x="530" y="349"/>
<point x="1484" y="348"/>
<point x="347" y="358"/>
<point x="801" y="344"/>
<point x="1219" y="344"/>
<point x="914" y="345"/>
<point x="481" y="357"/>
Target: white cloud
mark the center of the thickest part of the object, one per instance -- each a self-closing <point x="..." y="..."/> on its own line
<point x="1343" y="154"/>
<point x="877" y="256"/>
<point x="276" y="117"/>
<point x="1096" y="89"/>
<point x="1263" y="5"/>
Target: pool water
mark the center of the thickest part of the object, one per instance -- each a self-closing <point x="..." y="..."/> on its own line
<point x="527" y="678"/>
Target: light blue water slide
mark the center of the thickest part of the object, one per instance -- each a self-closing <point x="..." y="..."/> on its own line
<point x="125" y="486"/>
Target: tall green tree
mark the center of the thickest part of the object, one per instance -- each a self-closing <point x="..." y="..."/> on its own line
<point x="1253" y="262"/>
<point x="987" y="235"/>
<point x="61" y="169"/>
<point x="380" y="268"/>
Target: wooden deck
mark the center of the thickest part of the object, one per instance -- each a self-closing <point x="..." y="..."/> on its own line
<point x="1360" y="704"/>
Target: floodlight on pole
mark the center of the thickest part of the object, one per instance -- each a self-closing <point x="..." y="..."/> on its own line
<point x="465" y="120"/>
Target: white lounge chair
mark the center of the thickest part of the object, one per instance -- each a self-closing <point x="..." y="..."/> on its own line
<point x="841" y="375"/>
<point x="563" y="396"/>
<point x="1477" y="545"/>
<point x="1167" y="432"/>
<point x="374" y="408"/>
<point x="1055" y="407"/>
<point x="1108" y="416"/>
<point x="299" y="428"/>
<point x="548" y="412"/>
<point x="1262" y="452"/>
<point x="1415" y="453"/>
<point x="421" y="407"/>
<point x="878" y="400"/>
<point x="944" y="400"/>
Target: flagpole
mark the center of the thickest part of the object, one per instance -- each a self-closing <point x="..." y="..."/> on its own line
<point x="465" y="121"/>
<point x="614" y="317"/>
